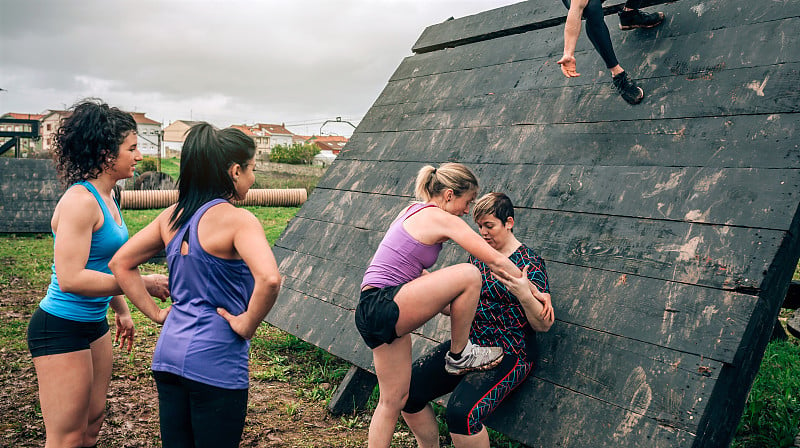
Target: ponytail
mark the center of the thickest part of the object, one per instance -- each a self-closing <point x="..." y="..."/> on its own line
<point x="207" y="154"/>
<point x="434" y="181"/>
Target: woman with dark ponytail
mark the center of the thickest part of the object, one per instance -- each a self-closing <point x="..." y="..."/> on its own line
<point x="68" y="335"/>
<point x="398" y="295"/>
<point x="224" y="280"/>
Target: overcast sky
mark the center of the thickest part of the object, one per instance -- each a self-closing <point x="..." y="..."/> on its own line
<point x="298" y="62"/>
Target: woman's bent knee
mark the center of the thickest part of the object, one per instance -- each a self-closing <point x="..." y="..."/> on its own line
<point x="393" y="402"/>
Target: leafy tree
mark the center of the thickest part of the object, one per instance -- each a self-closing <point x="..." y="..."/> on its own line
<point x="148" y="163"/>
<point x="297" y="153"/>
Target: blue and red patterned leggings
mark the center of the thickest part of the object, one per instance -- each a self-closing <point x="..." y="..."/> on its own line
<point x="474" y="395"/>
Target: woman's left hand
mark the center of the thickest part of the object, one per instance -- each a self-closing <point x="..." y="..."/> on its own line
<point x="125" y="331"/>
<point x="521" y="286"/>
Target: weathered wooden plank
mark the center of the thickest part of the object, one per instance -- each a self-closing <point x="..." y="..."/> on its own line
<point x="690" y="194"/>
<point x="682" y="45"/>
<point x="601" y="366"/>
<point x="699" y="55"/>
<point x="353" y="392"/>
<point x="757" y="90"/>
<point x="732" y="258"/>
<point x="29" y="191"/>
<point x="707" y="322"/>
<point x="527" y="17"/>
<point x="749" y="141"/>
<point x="542" y="414"/>
<point x="337" y="283"/>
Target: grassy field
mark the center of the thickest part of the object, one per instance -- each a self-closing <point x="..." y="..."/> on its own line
<point x="771" y="417"/>
<point x="274" y="177"/>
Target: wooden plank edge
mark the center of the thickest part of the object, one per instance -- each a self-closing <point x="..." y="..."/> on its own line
<point x="421" y="46"/>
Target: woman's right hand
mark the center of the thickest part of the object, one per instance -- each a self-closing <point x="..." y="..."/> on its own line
<point x="157" y="286"/>
<point x="568" y="66"/>
<point x="161" y="317"/>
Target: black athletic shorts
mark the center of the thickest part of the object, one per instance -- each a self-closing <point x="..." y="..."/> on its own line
<point x="376" y="315"/>
<point x="52" y="335"/>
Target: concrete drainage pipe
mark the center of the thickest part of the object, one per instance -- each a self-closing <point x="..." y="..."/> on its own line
<point x="279" y="197"/>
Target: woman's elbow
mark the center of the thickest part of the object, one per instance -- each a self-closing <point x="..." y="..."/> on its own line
<point x="270" y="280"/>
<point x="67" y="284"/>
<point x="542" y="326"/>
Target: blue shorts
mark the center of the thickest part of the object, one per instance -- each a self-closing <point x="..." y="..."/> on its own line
<point x="52" y="335"/>
<point x="376" y="315"/>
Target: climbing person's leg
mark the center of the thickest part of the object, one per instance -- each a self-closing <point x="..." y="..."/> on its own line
<point x="631" y="17"/>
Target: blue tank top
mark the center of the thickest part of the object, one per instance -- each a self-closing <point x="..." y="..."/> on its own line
<point x="196" y="342"/>
<point x="105" y="243"/>
<point x="400" y="258"/>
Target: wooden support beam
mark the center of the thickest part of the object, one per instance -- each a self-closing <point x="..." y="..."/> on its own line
<point x="353" y="392"/>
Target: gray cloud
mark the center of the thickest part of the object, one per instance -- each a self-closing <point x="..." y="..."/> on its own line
<point x="222" y="61"/>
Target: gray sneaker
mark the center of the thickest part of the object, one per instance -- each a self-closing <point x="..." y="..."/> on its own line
<point x="473" y="358"/>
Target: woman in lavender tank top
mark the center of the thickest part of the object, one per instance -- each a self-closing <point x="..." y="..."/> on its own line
<point x="224" y="280"/>
<point x="398" y="295"/>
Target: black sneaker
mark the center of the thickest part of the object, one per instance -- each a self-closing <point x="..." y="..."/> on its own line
<point x="628" y="89"/>
<point x="634" y="18"/>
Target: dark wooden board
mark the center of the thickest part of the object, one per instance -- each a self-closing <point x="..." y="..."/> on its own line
<point x="639" y="50"/>
<point x="757" y="90"/>
<point x="721" y="142"/>
<point x="679" y="56"/>
<point x="29" y="192"/>
<point x="533" y="17"/>
<point x="690" y="194"/>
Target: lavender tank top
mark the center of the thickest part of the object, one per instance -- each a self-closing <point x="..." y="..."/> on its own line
<point x="196" y="342"/>
<point x="400" y="258"/>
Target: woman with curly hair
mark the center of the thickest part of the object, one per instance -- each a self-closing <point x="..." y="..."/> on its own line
<point x="68" y="335"/>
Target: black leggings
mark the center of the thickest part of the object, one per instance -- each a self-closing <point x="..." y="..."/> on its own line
<point x="474" y="395"/>
<point x="597" y="30"/>
<point x="197" y="415"/>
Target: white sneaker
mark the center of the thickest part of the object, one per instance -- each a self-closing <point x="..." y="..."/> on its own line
<point x="474" y="357"/>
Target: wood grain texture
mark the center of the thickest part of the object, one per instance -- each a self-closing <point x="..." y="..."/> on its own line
<point x="29" y="192"/>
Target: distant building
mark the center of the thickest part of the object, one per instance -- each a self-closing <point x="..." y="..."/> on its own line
<point x="261" y="138"/>
<point x="329" y="145"/>
<point x="149" y="132"/>
<point x="51" y="121"/>
<point x="175" y="135"/>
<point x="267" y="136"/>
<point x="278" y="134"/>
<point x="27" y="146"/>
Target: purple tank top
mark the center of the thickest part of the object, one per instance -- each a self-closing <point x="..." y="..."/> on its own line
<point x="400" y="258"/>
<point x="196" y="342"/>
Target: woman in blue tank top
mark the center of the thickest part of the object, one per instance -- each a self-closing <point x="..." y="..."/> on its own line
<point x="223" y="280"/>
<point x="68" y="333"/>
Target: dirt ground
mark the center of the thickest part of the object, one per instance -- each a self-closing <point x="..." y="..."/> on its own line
<point x="277" y="416"/>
